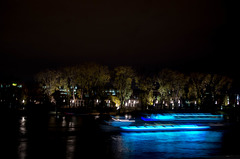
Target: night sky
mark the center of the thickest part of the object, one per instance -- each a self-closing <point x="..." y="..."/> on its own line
<point x="193" y="35"/>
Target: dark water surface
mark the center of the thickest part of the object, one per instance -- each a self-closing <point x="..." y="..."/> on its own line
<point x="79" y="137"/>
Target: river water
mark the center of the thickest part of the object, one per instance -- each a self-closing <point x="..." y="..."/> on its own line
<point x="73" y="137"/>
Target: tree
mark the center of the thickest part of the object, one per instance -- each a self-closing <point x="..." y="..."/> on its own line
<point x="92" y="78"/>
<point x="178" y="83"/>
<point x="146" y="86"/>
<point x="123" y="78"/>
<point x="50" y="81"/>
<point x="217" y="88"/>
<point x="70" y="78"/>
<point x="164" y="81"/>
<point x="197" y="87"/>
<point x="208" y="88"/>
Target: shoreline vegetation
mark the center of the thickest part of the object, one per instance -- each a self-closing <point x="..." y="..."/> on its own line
<point x="94" y="88"/>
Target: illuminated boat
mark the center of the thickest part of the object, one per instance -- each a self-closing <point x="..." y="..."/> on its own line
<point x="117" y="122"/>
<point x="164" y="128"/>
<point x="183" y="117"/>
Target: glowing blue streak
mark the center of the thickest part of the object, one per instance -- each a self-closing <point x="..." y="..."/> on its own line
<point x="166" y="118"/>
<point x="193" y="116"/>
<point x="161" y="128"/>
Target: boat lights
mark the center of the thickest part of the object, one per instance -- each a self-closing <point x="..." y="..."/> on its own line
<point x="182" y="116"/>
<point x="163" y="127"/>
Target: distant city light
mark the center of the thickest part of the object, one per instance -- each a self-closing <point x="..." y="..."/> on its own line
<point x="14" y="84"/>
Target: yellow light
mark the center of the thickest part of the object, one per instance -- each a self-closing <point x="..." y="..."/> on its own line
<point x="14" y="84"/>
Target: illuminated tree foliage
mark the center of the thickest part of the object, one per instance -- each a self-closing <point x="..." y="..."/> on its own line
<point x="146" y="85"/>
<point x="116" y="101"/>
<point x="88" y="79"/>
<point x="70" y="78"/>
<point x="207" y="88"/>
<point x="178" y="85"/>
<point x="171" y="89"/>
<point x="123" y="78"/>
<point x="92" y="78"/>
<point x="201" y="89"/>
<point x="50" y="81"/>
<point x="76" y="81"/>
<point x="164" y="81"/>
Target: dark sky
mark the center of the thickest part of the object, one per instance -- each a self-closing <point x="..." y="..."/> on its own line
<point x="193" y="35"/>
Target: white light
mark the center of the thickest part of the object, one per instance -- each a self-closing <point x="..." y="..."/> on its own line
<point x="23" y="101"/>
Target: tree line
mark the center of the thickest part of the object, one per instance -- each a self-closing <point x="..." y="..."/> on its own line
<point x="164" y="89"/>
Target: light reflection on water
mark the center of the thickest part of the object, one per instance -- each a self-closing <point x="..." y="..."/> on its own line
<point x="22" y="149"/>
<point x="74" y="137"/>
<point x="177" y="144"/>
<point x="22" y="123"/>
<point x="70" y="147"/>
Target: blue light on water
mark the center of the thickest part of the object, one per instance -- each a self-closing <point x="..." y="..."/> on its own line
<point x="177" y="144"/>
<point x="162" y="128"/>
<point x="163" y="118"/>
<point x="159" y="117"/>
<point x="183" y="116"/>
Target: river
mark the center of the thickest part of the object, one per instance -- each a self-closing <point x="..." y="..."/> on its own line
<point x="73" y="137"/>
